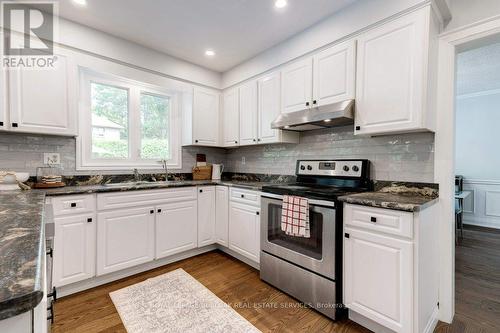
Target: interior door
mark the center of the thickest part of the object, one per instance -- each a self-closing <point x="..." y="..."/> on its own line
<point x="231" y="112"/>
<point x="205" y="117"/>
<point x="296" y="86"/>
<point x="268" y="107"/>
<point x="334" y="74"/>
<point x="248" y="113"/>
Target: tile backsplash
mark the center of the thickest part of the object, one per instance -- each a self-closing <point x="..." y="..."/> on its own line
<point x="405" y="157"/>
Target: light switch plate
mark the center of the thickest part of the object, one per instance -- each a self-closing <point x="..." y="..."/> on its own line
<point x="52" y="158"/>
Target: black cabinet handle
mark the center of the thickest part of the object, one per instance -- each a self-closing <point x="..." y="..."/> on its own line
<point x="201" y="191"/>
<point x="1" y="123"/>
<point x="195" y="141"/>
<point x="159" y="210"/>
<point x="373" y="219"/>
<point x="14" y="125"/>
<point x="235" y="141"/>
<point x="257" y="213"/>
<point x="50" y="252"/>
<point x="73" y="204"/>
<point x="53" y="294"/>
<point x="152" y="211"/>
<point x="242" y="195"/>
<point x="347" y="235"/>
<point x="307" y="103"/>
<point x="358" y="128"/>
<point x="89" y="220"/>
<point x="315" y="102"/>
<point x="258" y="139"/>
<point x="254" y="140"/>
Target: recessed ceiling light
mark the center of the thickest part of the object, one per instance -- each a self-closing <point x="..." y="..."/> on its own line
<point x="280" y="3"/>
<point x="210" y="53"/>
<point x="80" y="2"/>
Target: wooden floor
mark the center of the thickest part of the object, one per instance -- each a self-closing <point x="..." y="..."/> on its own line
<point x="232" y="281"/>
<point x="477" y="283"/>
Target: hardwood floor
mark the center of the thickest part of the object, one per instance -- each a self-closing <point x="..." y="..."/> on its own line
<point x="477" y="283"/>
<point x="232" y="281"/>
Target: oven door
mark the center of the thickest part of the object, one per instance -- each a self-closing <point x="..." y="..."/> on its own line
<point x="316" y="253"/>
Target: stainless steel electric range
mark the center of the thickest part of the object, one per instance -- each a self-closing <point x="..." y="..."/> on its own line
<point x="310" y="269"/>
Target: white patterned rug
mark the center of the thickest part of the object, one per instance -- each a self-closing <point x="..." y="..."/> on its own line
<point x="175" y="302"/>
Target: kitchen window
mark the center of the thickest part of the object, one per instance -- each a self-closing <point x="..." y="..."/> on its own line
<point x="126" y="124"/>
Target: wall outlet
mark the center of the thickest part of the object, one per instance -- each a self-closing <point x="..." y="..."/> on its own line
<point x="243" y="161"/>
<point x="52" y="158"/>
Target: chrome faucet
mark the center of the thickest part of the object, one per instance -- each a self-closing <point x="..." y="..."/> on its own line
<point x="164" y="165"/>
<point x="137" y="177"/>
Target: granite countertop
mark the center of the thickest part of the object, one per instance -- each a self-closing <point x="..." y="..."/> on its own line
<point x="409" y="197"/>
<point x="21" y="251"/>
<point x="22" y="233"/>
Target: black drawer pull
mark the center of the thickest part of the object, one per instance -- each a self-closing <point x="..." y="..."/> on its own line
<point x="195" y="141"/>
<point x="358" y="128"/>
<point x="89" y="220"/>
<point x="235" y="141"/>
<point x="14" y="125"/>
<point x="73" y="204"/>
<point x="151" y="211"/>
<point x="1" y="123"/>
<point x="307" y="103"/>
<point x="159" y="210"/>
<point x="347" y="235"/>
<point x="315" y="102"/>
<point x="242" y="195"/>
<point x="373" y="219"/>
<point x="257" y="213"/>
<point x="50" y="252"/>
<point x="201" y="191"/>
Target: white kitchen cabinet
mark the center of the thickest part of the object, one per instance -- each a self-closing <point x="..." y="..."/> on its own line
<point x="396" y="75"/>
<point x="125" y="238"/>
<point x="296" y="86"/>
<point x="205" y="118"/>
<point x="176" y="228"/>
<point x="244" y="230"/>
<point x="391" y="271"/>
<point x="334" y="74"/>
<point x="248" y="114"/>
<point x="51" y="110"/>
<point x="379" y="281"/>
<point x="231" y="122"/>
<point x="221" y="215"/>
<point x="206" y="215"/>
<point x="74" y="248"/>
<point x="3" y="96"/>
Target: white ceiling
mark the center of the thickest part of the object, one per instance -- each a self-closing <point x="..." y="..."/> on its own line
<point x="478" y="70"/>
<point x="236" y="29"/>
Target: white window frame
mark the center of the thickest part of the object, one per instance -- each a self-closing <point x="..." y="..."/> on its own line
<point x="135" y="89"/>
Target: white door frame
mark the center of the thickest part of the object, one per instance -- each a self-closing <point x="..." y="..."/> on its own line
<point x="444" y="165"/>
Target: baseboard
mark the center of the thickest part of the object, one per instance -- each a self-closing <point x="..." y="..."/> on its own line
<point x="100" y="280"/>
<point x="433" y="320"/>
<point x="368" y="323"/>
<point x="238" y="256"/>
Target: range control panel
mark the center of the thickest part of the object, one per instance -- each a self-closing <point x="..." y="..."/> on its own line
<point x="334" y="168"/>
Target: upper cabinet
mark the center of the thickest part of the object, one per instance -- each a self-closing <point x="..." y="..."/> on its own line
<point x="395" y="75"/>
<point x="334" y="74"/>
<point x="296" y="86"/>
<point x="231" y="114"/>
<point x="205" y="117"/>
<point x="248" y="113"/>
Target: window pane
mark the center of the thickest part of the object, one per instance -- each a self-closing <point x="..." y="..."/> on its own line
<point x="155" y="127"/>
<point x="109" y="121"/>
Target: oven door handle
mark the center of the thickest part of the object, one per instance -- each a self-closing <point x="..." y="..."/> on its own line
<point x="311" y="201"/>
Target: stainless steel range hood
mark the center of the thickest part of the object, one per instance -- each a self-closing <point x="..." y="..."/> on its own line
<point x="331" y="115"/>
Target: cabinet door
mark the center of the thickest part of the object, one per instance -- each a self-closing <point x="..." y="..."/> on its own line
<point x="206" y="215"/>
<point x="205" y="117"/>
<point x="47" y="110"/>
<point x="248" y="113"/>
<point x="269" y="107"/>
<point x="176" y="228"/>
<point x="244" y="230"/>
<point x="125" y="238"/>
<point x="296" y="86"/>
<point x="231" y="117"/>
<point x="74" y="248"/>
<point x="221" y="215"/>
<point x="378" y="278"/>
<point x="334" y="74"/>
<point x="391" y="76"/>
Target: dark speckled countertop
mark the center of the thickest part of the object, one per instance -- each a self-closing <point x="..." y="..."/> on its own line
<point x="22" y="236"/>
<point x="409" y="197"/>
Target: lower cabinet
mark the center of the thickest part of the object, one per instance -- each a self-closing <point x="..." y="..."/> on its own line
<point x="176" y="228"/>
<point x="74" y="248"/>
<point x="378" y="273"/>
<point x="221" y="215"/>
<point x="125" y="238"/>
<point x="244" y="230"/>
<point x="206" y="215"/>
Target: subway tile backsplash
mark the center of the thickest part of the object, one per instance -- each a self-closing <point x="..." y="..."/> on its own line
<point x="405" y="157"/>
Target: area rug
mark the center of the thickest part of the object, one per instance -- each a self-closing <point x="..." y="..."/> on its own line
<point x="175" y="302"/>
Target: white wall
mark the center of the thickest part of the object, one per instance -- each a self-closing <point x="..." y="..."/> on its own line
<point x="335" y="28"/>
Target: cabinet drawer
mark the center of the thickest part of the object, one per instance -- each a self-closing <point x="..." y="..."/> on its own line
<point x="245" y="196"/>
<point x="147" y="197"/>
<point x="73" y="204"/>
<point x="378" y="219"/>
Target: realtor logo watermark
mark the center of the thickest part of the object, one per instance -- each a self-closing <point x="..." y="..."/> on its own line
<point x="29" y="32"/>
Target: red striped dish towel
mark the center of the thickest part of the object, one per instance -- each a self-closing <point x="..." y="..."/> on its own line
<point x="295" y="216"/>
